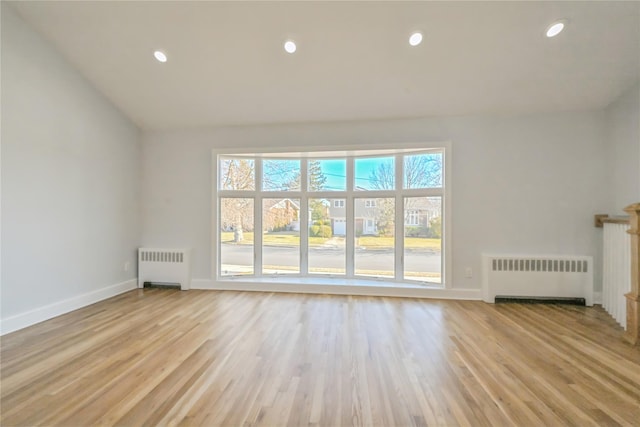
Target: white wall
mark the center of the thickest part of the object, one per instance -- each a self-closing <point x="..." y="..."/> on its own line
<point x="526" y="185"/>
<point x="623" y="148"/>
<point x="70" y="184"/>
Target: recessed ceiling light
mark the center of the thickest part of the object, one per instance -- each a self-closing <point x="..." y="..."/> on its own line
<point x="415" y="39"/>
<point x="555" y="28"/>
<point x="290" y="46"/>
<point x="160" y="56"/>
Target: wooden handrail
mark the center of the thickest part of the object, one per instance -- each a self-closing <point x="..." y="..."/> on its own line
<point x="601" y="219"/>
<point x="632" y="334"/>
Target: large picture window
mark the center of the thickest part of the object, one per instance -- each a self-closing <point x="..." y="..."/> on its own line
<point x="369" y="215"/>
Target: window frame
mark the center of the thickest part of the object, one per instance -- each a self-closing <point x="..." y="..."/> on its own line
<point x="349" y="153"/>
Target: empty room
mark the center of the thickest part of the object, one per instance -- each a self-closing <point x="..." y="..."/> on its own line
<point x="320" y="213"/>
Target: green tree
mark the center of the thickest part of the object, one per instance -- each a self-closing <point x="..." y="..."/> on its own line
<point x="317" y="178"/>
<point x="435" y="227"/>
<point x="316" y="182"/>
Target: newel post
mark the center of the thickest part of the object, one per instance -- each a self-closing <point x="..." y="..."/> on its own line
<point x="632" y="333"/>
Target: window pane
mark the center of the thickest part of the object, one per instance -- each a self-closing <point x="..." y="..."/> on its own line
<point x="236" y="236"/>
<point x="423" y="239"/>
<point x="375" y="173"/>
<point x="326" y="236"/>
<point x="423" y="171"/>
<point x="281" y="175"/>
<point x="327" y="175"/>
<point x="237" y="174"/>
<point x="281" y="236"/>
<point x="374" y="234"/>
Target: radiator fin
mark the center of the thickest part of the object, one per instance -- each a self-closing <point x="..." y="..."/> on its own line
<point x="161" y="256"/>
<point x="540" y="265"/>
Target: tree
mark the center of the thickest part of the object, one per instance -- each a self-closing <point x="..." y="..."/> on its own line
<point x="383" y="177"/>
<point x="317" y="178"/>
<point x="423" y="171"/>
<point x="237" y="174"/>
<point x="435" y="228"/>
<point x="420" y="171"/>
<point x="316" y="182"/>
<point x="237" y="213"/>
<point x="385" y="216"/>
<point x="278" y="174"/>
<point x="281" y="175"/>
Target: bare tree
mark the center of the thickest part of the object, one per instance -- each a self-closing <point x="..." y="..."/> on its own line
<point x="237" y="213"/>
<point x="419" y="171"/>
<point x="423" y="171"/>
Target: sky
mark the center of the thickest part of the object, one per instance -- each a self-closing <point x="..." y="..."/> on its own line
<point x="335" y="170"/>
<point x="277" y="173"/>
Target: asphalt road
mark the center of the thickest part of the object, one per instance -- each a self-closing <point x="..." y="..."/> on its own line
<point x="333" y="257"/>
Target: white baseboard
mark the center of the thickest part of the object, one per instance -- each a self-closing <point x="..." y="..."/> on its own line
<point x="40" y="314"/>
<point x="337" y="289"/>
<point x="597" y="298"/>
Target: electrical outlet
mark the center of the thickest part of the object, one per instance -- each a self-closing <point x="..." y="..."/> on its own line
<point x="126" y="266"/>
<point x="468" y="273"/>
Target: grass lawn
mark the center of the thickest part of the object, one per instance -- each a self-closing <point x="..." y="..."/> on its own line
<point x="409" y="242"/>
<point x="285" y="239"/>
<point x="291" y="239"/>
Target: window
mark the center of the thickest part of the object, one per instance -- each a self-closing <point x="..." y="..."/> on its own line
<point x="311" y="217"/>
<point x="327" y="175"/>
<point x="422" y="238"/>
<point x="236" y="236"/>
<point x="412" y="217"/>
<point x="375" y="173"/>
<point x="281" y="175"/>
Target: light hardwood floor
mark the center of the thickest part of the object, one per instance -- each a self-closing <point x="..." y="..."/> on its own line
<point x="165" y="357"/>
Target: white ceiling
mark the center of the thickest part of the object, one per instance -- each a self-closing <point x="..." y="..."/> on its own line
<point x="227" y="65"/>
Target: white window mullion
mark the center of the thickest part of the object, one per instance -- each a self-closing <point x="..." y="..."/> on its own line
<point x="446" y="234"/>
<point x="350" y="221"/>
<point x="257" y="220"/>
<point x="215" y="225"/>
<point x="304" y="219"/>
<point x="399" y="220"/>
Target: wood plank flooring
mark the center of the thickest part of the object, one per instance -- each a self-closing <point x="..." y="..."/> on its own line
<point x="166" y="357"/>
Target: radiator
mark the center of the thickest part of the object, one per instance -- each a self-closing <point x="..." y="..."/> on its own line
<point x="616" y="270"/>
<point x="537" y="277"/>
<point x="164" y="266"/>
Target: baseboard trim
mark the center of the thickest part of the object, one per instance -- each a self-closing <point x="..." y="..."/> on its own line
<point x="40" y="314"/>
<point x="365" y="290"/>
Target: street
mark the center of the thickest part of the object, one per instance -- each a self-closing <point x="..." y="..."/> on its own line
<point x="416" y="260"/>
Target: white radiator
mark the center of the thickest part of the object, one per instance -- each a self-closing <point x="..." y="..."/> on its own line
<point x="164" y="266"/>
<point x="537" y="276"/>
<point x="616" y="270"/>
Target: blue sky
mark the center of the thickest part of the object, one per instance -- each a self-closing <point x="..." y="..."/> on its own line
<point x="336" y="171"/>
<point x="278" y="173"/>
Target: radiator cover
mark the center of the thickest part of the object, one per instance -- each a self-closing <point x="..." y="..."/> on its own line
<point x="164" y="266"/>
<point x="537" y="276"/>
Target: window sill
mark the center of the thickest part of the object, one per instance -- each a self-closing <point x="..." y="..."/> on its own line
<point x="337" y="286"/>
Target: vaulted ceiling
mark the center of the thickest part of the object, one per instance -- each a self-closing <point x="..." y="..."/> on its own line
<point x="227" y="66"/>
